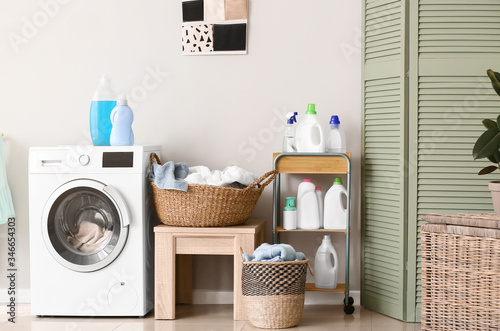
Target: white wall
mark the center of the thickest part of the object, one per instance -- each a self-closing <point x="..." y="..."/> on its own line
<point x="211" y="110"/>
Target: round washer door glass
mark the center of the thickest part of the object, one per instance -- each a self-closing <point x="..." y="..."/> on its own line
<point x="84" y="227"/>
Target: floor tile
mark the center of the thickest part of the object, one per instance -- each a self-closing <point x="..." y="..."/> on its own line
<point x="208" y="318"/>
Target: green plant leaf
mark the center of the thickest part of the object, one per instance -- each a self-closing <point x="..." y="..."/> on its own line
<point x="495" y="157"/>
<point x="487" y="144"/>
<point x="487" y="170"/>
<point x="488" y="124"/>
<point x="495" y="80"/>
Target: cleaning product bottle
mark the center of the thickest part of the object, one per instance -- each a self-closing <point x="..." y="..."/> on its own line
<point x="335" y="140"/>
<point x="309" y="136"/>
<point x="103" y="102"/>
<point x="121" y="119"/>
<point x="335" y="215"/>
<point x="319" y="194"/>
<point x="307" y="206"/>
<point x="289" y="137"/>
<point x="290" y="214"/>
<point x="325" y="268"/>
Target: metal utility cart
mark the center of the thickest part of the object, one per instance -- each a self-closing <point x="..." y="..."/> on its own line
<point x="315" y="163"/>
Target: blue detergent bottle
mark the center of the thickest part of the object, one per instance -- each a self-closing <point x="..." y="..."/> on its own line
<point x="103" y="102"/>
<point x="121" y="119"/>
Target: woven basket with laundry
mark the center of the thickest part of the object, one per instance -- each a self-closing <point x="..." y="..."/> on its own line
<point x="208" y="205"/>
<point x="274" y="292"/>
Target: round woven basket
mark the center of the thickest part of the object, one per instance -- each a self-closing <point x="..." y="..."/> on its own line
<point x="208" y="205"/>
<point x="274" y="293"/>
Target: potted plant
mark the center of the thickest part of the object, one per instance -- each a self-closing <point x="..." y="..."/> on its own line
<point x="488" y="145"/>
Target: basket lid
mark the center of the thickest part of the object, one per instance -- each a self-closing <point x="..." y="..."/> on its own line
<point x="483" y="220"/>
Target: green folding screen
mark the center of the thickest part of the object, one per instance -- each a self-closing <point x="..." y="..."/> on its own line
<point x="425" y="94"/>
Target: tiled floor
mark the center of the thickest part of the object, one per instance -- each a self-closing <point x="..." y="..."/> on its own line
<point x="208" y="318"/>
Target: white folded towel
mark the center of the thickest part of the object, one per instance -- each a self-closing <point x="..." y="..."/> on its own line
<point x="228" y="177"/>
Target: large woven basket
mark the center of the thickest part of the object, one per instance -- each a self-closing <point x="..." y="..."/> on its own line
<point x="208" y="205"/>
<point x="461" y="272"/>
<point x="274" y="292"/>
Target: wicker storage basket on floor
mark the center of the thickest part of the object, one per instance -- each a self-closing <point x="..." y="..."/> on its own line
<point x="208" y="205"/>
<point x="274" y="292"/>
<point x="461" y="272"/>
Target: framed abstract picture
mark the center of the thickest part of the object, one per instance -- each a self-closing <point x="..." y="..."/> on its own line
<point x="212" y="27"/>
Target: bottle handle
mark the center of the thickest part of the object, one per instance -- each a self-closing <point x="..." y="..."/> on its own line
<point x="112" y="117"/>
<point x="343" y="192"/>
<point x="335" y="258"/>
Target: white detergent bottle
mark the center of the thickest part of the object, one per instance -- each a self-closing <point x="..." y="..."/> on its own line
<point x="290" y="214"/>
<point x="121" y="119"/>
<point x="319" y="194"/>
<point x="307" y="206"/>
<point x="335" y="214"/>
<point x="309" y="135"/>
<point x="326" y="265"/>
<point x="335" y="140"/>
<point x="289" y="136"/>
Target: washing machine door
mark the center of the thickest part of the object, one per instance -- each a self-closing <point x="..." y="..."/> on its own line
<point x="85" y="225"/>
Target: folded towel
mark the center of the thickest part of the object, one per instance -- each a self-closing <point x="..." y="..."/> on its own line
<point x="170" y="176"/>
<point x="232" y="176"/>
<point x="6" y="205"/>
<point x="275" y="253"/>
<point x="90" y="238"/>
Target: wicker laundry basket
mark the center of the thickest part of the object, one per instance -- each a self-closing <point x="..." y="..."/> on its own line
<point x="461" y="272"/>
<point x="208" y="205"/>
<point x="274" y="292"/>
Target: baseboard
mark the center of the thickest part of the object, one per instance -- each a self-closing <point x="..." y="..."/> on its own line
<point x="219" y="297"/>
<point x="312" y="298"/>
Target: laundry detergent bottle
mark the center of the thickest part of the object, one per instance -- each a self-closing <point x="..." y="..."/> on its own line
<point x="289" y="136"/>
<point x="103" y="102"/>
<point x="335" y="139"/>
<point x="290" y="214"/>
<point x="121" y="119"/>
<point x="326" y="265"/>
<point x="307" y="206"/>
<point x="309" y="135"/>
<point x="335" y="215"/>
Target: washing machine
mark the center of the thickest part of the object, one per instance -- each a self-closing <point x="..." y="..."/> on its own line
<point x="91" y="217"/>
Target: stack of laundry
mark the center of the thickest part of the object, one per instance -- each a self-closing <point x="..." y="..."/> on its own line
<point x="274" y="253"/>
<point x="178" y="176"/>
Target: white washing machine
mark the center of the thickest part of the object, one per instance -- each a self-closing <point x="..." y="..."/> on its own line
<point x="91" y="230"/>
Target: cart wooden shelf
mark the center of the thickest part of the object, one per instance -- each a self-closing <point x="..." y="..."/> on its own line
<point x="315" y="163"/>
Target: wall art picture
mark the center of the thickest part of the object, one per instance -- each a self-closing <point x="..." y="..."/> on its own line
<point x="214" y="27"/>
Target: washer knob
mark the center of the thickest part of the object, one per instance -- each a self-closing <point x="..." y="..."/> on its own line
<point x="84" y="159"/>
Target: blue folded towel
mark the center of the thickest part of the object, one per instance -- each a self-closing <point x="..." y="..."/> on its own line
<point x="170" y="176"/>
<point x="275" y="253"/>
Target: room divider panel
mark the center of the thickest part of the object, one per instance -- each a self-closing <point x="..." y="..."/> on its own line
<point x="425" y="93"/>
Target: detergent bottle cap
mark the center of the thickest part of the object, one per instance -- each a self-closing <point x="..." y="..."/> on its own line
<point x="290" y="204"/>
<point x="334" y="120"/>
<point x="337" y="181"/>
<point x="311" y="109"/>
<point x="307" y="180"/>
<point x="122" y="100"/>
<point x="104" y="91"/>
<point x="318" y="188"/>
<point x="327" y="238"/>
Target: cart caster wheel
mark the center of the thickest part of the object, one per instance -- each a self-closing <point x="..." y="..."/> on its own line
<point x="348" y="309"/>
<point x="350" y="301"/>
